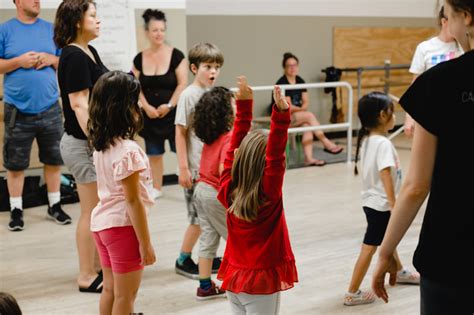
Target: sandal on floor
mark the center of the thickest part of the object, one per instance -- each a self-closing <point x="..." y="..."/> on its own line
<point x="359" y="298"/>
<point x="96" y="285"/>
<point x="337" y="151"/>
<point x="316" y="163"/>
<point x="408" y="277"/>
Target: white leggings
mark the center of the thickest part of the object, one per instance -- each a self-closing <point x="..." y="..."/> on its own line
<point x="254" y="304"/>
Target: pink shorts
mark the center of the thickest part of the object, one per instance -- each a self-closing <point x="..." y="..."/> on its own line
<point x="118" y="249"/>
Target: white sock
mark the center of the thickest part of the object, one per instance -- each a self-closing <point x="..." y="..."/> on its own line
<point x="54" y="198"/>
<point x="16" y="202"/>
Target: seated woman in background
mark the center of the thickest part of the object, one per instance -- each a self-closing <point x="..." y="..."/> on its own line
<point x="300" y="116"/>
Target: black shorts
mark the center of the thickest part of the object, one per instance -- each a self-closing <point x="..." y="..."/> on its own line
<point x="377" y="222"/>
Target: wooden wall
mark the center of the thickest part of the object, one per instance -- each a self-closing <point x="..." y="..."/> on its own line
<point x="370" y="46"/>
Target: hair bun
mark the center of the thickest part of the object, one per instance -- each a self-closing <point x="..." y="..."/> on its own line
<point x="287" y="55"/>
<point x="152" y="14"/>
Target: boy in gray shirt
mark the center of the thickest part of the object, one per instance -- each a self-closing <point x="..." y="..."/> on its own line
<point x="205" y="61"/>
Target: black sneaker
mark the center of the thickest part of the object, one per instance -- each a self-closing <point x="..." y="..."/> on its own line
<point x="216" y="264"/>
<point x="16" y="220"/>
<point x="189" y="269"/>
<point x="57" y="214"/>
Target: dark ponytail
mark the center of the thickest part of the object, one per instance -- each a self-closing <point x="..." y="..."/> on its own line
<point x="360" y="136"/>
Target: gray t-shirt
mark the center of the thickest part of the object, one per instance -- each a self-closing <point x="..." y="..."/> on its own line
<point x="184" y="113"/>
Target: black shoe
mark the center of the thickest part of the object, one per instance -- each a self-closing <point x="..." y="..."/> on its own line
<point x="16" y="220"/>
<point x="57" y="214"/>
<point x="189" y="269"/>
<point x="216" y="264"/>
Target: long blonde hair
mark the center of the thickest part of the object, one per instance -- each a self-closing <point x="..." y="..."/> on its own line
<point x="247" y="173"/>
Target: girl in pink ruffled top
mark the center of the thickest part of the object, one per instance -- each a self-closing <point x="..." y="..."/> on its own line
<point x="119" y="221"/>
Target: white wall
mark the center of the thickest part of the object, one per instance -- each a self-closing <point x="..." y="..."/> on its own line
<point x="134" y="4"/>
<point x="348" y="8"/>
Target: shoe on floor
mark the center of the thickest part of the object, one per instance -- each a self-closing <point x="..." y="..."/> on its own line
<point x="95" y="286"/>
<point x="189" y="269"/>
<point x="211" y="293"/>
<point x="156" y="194"/>
<point x="57" y="214"/>
<point x="16" y="220"/>
<point x="216" y="264"/>
<point x="359" y="298"/>
<point x="405" y="276"/>
<point x="336" y="150"/>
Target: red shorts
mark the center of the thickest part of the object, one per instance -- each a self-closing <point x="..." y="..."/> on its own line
<point x="118" y="249"/>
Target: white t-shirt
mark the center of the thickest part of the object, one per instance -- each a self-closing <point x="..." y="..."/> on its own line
<point x="184" y="113"/>
<point x="433" y="51"/>
<point x="378" y="153"/>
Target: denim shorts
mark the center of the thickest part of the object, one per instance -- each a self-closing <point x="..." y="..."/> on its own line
<point x="77" y="155"/>
<point x="20" y="131"/>
<point x="156" y="145"/>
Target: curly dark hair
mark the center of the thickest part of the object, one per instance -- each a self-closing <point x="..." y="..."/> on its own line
<point x="151" y="14"/>
<point x="70" y="13"/>
<point x="213" y="114"/>
<point x="114" y="111"/>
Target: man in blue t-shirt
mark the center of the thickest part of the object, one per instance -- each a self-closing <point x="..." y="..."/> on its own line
<point x="29" y="58"/>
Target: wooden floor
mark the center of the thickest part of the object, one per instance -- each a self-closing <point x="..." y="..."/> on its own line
<point x="326" y="223"/>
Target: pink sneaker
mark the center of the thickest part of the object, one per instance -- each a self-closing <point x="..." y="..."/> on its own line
<point x="212" y="293"/>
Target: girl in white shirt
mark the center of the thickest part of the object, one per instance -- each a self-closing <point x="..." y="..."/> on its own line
<point x="381" y="178"/>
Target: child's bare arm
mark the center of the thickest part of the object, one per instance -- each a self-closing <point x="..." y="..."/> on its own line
<point x="387" y="181"/>
<point x="137" y="214"/>
<point x="185" y="177"/>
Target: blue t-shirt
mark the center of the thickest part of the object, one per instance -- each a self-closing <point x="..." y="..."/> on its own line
<point x="31" y="91"/>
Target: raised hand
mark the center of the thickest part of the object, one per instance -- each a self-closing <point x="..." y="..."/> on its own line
<point x="280" y="99"/>
<point x="245" y="91"/>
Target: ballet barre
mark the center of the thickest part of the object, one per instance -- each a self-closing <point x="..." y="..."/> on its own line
<point x="339" y="126"/>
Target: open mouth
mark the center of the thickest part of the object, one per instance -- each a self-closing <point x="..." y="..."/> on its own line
<point x="212" y="78"/>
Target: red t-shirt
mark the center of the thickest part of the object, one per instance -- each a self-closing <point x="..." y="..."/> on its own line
<point x="258" y="258"/>
<point x="212" y="156"/>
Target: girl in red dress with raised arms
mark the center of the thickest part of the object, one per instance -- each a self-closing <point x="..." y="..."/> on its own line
<point x="258" y="261"/>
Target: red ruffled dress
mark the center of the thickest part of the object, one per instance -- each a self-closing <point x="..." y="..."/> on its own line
<point x="258" y="258"/>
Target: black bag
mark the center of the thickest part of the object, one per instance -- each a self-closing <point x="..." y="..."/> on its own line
<point x="35" y="195"/>
<point x="333" y="74"/>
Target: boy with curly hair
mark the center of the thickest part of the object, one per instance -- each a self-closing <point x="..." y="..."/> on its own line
<point x="212" y="124"/>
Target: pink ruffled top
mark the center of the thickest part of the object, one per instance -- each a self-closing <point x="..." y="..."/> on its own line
<point x="258" y="258"/>
<point x="112" y="166"/>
